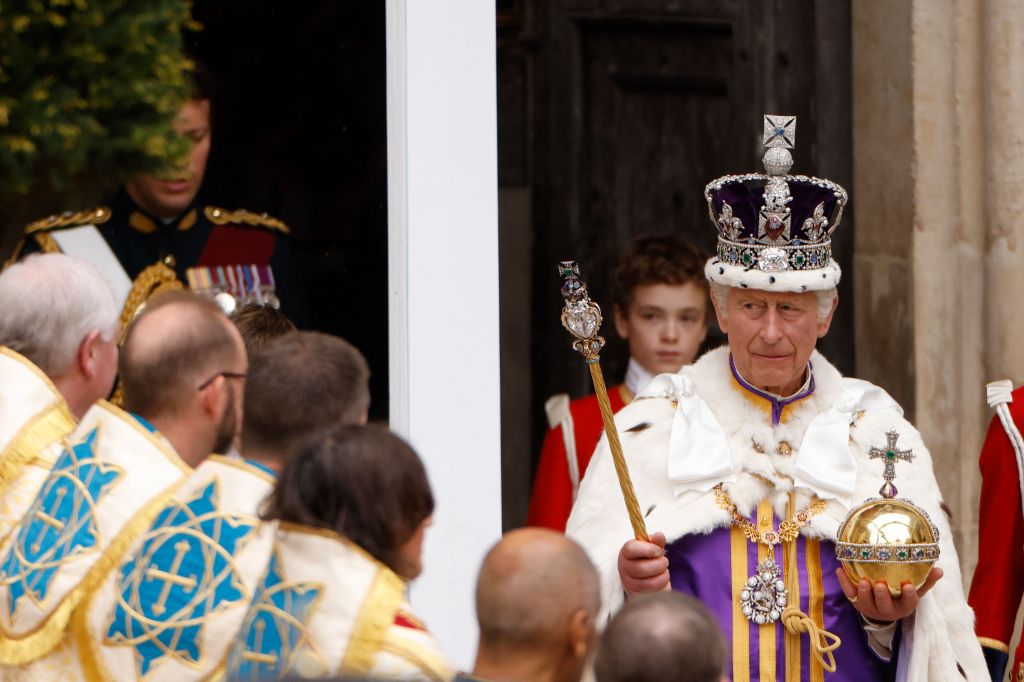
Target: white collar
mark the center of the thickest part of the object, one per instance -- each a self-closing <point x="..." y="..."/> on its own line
<point x="637" y="377"/>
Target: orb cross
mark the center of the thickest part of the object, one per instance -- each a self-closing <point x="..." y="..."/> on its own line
<point x="890" y="454"/>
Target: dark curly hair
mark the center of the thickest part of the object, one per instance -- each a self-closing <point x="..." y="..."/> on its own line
<point x="362" y="482"/>
<point x="657" y="260"/>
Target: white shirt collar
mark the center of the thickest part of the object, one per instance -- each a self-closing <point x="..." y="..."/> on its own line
<point x="637" y="377"/>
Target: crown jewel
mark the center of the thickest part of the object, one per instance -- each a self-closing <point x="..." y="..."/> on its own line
<point x="775" y="222"/>
<point x="889" y="539"/>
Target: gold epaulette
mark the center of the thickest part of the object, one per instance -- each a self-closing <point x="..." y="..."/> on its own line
<point x="221" y="216"/>
<point x="94" y="216"/>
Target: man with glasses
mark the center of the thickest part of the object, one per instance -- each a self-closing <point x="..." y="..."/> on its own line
<point x="124" y="475"/>
<point x="297" y="384"/>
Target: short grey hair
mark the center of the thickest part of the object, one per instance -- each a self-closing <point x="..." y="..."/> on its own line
<point x="826" y="299"/>
<point x="50" y="303"/>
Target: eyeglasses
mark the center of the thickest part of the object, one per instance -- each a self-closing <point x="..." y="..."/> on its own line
<point x="226" y="375"/>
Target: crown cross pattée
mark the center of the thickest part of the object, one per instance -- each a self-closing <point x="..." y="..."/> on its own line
<point x="890" y="454"/>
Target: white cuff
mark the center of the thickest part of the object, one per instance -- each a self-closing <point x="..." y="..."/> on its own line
<point x="880" y="636"/>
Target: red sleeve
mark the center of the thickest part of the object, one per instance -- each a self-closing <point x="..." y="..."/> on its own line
<point x="999" y="577"/>
<point x="551" y="500"/>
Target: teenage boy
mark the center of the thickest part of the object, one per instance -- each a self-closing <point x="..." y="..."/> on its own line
<point x="661" y="310"/>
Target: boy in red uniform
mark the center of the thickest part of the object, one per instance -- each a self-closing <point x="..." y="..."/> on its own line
<point x="661" y="303"/>
<point x="998" y="581"/>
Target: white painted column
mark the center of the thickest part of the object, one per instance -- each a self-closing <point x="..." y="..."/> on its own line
<point x="443" y="282"/>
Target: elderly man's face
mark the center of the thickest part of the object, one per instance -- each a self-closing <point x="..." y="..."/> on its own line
<point x="771" y="336"/>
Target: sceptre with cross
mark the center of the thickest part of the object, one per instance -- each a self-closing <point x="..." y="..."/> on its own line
<point x="582" y="318"/>
<point x="890" y="454"/>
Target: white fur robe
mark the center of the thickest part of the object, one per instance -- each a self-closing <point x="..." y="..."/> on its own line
<point x="938" y="639"/>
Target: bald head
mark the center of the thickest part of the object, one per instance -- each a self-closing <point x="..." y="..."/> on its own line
<point x="530" y="585"/>
<point x="180" y="341"/>
<point x="664" y="631"/>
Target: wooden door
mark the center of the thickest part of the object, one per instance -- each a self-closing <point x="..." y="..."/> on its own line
<point x="613" y="117"/>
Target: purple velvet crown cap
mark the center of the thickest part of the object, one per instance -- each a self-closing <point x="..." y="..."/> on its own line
<point x="747" y="199"/>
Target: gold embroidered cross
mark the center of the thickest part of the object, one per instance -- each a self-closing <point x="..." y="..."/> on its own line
<point x="258" y="656"/>
<point x="49" y="520"/>
<point x="171" y="578"/>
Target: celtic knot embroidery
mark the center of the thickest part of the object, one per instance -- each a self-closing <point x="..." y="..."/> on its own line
<point x="274" y="636"/>
<point x="60" y="524"/>
<point x="181" y="576"/>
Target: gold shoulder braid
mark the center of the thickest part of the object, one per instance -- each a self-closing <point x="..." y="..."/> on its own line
<point x="39" y="230"/>
<point x="220" y="216"/>
<point x="94" y="216"/>
<point x="765" y="597"/>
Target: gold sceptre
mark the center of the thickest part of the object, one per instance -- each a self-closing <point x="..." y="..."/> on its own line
<point x="582" y="317"/>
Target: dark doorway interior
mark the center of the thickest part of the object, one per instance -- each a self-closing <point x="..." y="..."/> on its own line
<point x="613" y="116"/>
<point x="300" y="132"/>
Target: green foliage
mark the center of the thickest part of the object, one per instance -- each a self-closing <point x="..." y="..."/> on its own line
<point x="88" y="90"/>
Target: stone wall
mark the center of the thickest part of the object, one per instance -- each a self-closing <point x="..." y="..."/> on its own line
<point x="938" y="176"/>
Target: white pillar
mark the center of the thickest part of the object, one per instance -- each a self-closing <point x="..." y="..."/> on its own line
<point x="443" y="282"/>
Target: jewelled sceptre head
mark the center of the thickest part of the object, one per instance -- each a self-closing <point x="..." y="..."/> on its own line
<point x="582" y="318"/>
<point x="888" y="539"/>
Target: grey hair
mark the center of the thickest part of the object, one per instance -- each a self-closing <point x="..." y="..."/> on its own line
<point x="826" y="299"/>
<point x="49" y="303"/>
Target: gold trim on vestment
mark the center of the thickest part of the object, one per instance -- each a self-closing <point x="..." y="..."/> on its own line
<point x="47" y="635"/>
<point x="740" y="624"/>
<point x="429" y="662"/>
<point x="625" y="394"/>
<point x="994" y="644"/>
<point x="376" y="616"/>
<point x="48" y="426"/>
<point x="41" y="640"/>
<point x="90" y="649"/>
<point x="157" y="441"/>
<point x="31" y="366"/>
<point x="816" y="597"/>
<point x="242" y="465"/>
<point x="791" y="571"/>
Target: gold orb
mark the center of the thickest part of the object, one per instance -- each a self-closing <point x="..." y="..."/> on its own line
<point x="889" y="540"/>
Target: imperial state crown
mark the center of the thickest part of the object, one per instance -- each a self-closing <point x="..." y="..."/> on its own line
<point x="775" y="229"/>
<point x="888" y="539"/>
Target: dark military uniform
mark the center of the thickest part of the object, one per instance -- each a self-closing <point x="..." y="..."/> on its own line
<point x="204" y="236"/>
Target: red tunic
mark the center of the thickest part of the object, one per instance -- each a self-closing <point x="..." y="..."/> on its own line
<point x="553" y="491"/>
<point x="998" y="581"/>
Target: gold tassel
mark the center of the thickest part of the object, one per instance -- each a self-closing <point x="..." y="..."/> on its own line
<point x="822" y="642"/>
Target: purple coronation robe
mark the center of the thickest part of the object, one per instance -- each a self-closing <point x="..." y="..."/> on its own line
<point x="714" y="568"/>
